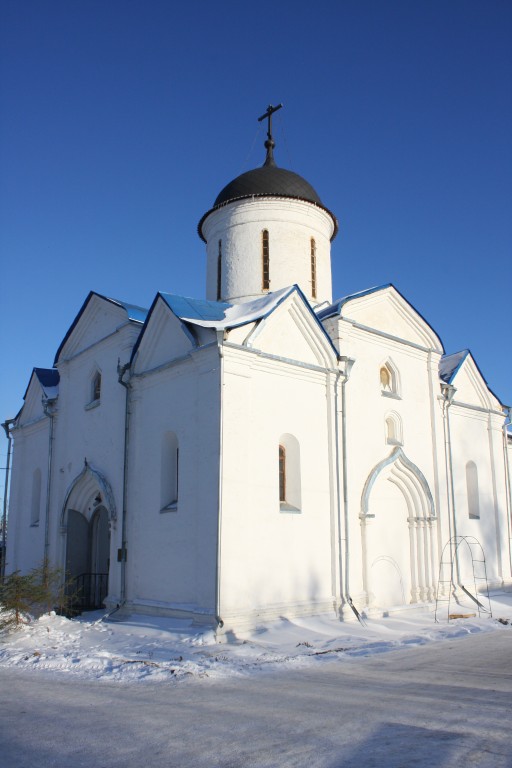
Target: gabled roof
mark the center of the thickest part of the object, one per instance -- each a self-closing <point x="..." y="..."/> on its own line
<point x="48" y="378"/>
<point x="133" y="312"/>
<point x="450" y="365"/>
<point x="335" y="308"/>
<point x="220" y="315"/>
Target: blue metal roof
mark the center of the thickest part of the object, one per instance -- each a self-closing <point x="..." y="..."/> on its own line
<point x="335" y="309"/>
<point x="220" y="315"/>
<point x="48" y="379"/>
<point x="138" y="314"/>
<point x="449" y="365"/>
<point x="196" y="309"/>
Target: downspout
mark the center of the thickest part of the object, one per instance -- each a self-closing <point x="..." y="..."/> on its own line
<point x="6" y="425"/>
<point x="49" y="408"/>
<point x="220" y="347"/>
<point x="448" y="393"/>
<point x="121" y="370"/>
<point x="344" y="545"/>
<point x="508" y="490"/>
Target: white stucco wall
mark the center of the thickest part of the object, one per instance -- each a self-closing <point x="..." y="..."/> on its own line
<point x="25" y="539"/>
<point x="291" y="225"/>
<point x="477" y="437"/>
<point x="275" y="559"/>
<point x="172" y="553"/>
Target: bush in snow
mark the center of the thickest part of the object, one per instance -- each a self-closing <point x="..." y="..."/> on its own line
<point x="18" y="594"/>
<point x="40" y="591"/>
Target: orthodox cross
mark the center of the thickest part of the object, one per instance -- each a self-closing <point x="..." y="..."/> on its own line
<point x="268" y="114"/>
<point x="269" y="144"/>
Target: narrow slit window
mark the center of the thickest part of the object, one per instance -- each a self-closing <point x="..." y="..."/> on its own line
<point x="265" y="255"/>
<point x="289" y="474"/>
<point x="282" y="473"/>
<point x="169" y="472"/>
<point x="472" y="490"/>
<point x="36" y="497"/>
<point x="313" y="268"/>
<point x="96" y="387"/>
<point x="219" y="270"/>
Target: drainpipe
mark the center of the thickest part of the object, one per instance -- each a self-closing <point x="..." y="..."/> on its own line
<point x="220" y="347"/>
<point x="6" y="425"/>
<point x="343" y="540"/>
<point x="508" y="490"/>
<point x="49" y="408"/>
<point x="448" y="393"/>
<point x="121" y="371"/>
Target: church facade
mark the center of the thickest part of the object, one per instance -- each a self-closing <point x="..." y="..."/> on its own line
<point x="266" y="451"/>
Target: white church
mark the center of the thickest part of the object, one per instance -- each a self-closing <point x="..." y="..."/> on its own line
<point x="265" y="451"/>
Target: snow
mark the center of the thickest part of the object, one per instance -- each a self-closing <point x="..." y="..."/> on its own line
<point x="221" y="315"/>
<point x="142" y="648"/>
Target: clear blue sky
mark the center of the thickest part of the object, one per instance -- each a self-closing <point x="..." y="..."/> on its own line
<point x="121" y="121"/>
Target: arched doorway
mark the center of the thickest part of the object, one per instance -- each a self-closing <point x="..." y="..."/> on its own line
<point x="86" y="522"/>
<point x="397" y="518"/>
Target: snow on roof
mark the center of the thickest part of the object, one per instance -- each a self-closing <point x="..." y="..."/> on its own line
<point x="221" y="315"/>
<point x="335" y="308"/>
<point x="49" y="379"/>
<point x="450" y="364"/>
<point x="134" y="312"/>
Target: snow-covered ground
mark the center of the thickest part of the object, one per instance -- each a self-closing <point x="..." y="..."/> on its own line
<point x="146" y="648"/>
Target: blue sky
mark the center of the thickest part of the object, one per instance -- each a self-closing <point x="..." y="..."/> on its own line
<point x="121" y="121"/>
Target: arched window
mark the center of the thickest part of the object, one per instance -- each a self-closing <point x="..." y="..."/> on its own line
<point x="219" y="270"/>
<point x="313" y="268"/>
<point x="265" y="260"/>
<point x="393" y="429"/>
<point x="35" y="508"/>
<point x="96" y="386"/>
<point x="289" y="474"/>
<point x="472" y="489"/>
<point x="169" y="473"/>
<point x="389" y="380"/>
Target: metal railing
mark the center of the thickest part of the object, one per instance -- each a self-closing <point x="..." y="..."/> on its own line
<point x="90" y="590"/>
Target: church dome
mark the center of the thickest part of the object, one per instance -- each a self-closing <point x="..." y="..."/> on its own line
<point x="268" y="229"/>
<point x="268" y="180"/>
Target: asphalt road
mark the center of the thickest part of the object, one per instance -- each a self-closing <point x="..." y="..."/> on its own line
<point x="444" y="704"/>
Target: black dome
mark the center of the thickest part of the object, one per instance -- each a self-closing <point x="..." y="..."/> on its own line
<point x="268" y="180"/>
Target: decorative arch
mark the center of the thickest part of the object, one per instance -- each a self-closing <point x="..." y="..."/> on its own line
<point x="82" y="493"/>
<point x="408" y="477"/>
<point x="400" y="536"/>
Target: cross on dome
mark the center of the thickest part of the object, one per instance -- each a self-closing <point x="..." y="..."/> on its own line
<point x="270" y="143"/>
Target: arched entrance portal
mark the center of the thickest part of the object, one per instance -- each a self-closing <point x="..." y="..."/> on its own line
<point x="87" y="516"/>
<point x="397" y="518"/>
